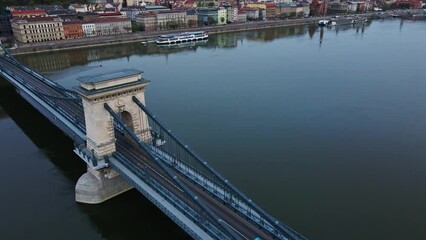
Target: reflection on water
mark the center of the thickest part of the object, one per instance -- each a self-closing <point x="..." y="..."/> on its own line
<point x="183" y="45"/>
<point x="2" y="113"/>
<point x="329" y="140"/>
<point x="54" y="173"/>
<point x="54" y="61"/>
<point x="3" y="84"/>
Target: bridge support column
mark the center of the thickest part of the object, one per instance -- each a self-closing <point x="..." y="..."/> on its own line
<point x="95" y="187"/>
<point x="117" y="90"/>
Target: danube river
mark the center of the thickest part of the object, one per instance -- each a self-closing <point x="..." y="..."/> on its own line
<point x="325" y="129"/>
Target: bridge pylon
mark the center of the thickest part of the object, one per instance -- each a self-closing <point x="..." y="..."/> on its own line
<point x="117" y="89"/>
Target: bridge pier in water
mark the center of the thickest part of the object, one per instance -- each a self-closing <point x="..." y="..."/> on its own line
<point x="100" y="182"/>
<point x="97" y="186"/>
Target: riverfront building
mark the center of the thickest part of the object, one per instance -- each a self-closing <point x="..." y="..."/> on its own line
<point x="207" y="16"/>
<point x="167" y="20"/>
<point x="132" y="12"/>
<point x="222" y="16"/>
<point x="232" y="14"/>
<point x="88" y="29"/>
<point x="111" y="26"/>
<point x="72" y="29"/>
<point x="37" y="29"/>
<point x="148" y="20"/>
<point x="171" y="19"/>
<point x="271" y="10"/>
<point x="191" y="18"/>
<point x="242" y="17"/>
<point x="253" y="14"/>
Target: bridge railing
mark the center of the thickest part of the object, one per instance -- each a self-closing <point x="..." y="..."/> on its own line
<point x="184" y="208"/>
<point x="178" y="155"/>
<point x="52" y="101"/>
<point x="66" y="92"/>
<point x="171" y="174"/>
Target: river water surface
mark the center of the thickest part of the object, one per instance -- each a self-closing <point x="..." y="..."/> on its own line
<point x="324" y="129"/>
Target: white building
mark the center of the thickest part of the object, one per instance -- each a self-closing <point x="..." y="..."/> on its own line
<point x="222" y="16"/>
<point x="111" y="26"/>
<point x="232" y="14"/>
<point x="242" y="17"/>
<point x="89" y="29"/>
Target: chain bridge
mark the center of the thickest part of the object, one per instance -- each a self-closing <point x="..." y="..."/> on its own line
<point x="126" y="146"/>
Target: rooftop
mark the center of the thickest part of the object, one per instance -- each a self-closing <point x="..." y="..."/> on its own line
<point x="102" y="14"/>
<point x="37" y="19"/>
<point x="96" y="78"/>
<point x="100" y="84"/>
<point x="109" y="19"/>
<point x="77" y="5"/>
<point x="155" y="7"/>
<point x="172" y="11"/>
<point x="28" y="12"/>
<point x="71" y="22"/>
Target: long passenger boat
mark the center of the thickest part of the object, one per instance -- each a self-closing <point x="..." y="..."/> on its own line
<point x="182" y="37"/>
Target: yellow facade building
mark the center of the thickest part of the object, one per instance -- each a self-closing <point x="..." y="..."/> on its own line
<point x="37" y="29"/>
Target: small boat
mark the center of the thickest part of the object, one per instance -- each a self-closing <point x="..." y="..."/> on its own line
<point x="184" y="45"/>
<point x="339" y="21"/>
<point x="182" y="37"/>
<point x="146" y="42"/>
<point x="360" y="21"/>
<point x="324" y="23"/>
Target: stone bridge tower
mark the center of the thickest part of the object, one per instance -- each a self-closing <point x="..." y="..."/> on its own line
<point x="116" y="89"/>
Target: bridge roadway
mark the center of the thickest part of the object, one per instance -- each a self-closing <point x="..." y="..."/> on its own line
<point x="244" y="228"/>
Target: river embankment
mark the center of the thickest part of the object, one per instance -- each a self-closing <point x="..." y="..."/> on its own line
<point x="147" y="36"/>
<point x="26" y="48"/>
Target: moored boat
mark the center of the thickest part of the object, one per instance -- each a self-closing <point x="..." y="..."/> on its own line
<point x="182" y="37"/>
<point x="360" y="21"/>
<point x="324" y="23"/>
<point x="339" y="21"/>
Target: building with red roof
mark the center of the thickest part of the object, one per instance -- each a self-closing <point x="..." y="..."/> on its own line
<point x="72" y="29"/>
<point x="190" y="4"/>
<point x="110" y="14"/>
<point x="413" y="4"/>
<point x="148" y="20"/>
<point x="28" y="13"/>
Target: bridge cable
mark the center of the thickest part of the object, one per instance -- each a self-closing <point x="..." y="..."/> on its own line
<point x="284" y="229"/>
<point x="186" y="189"/>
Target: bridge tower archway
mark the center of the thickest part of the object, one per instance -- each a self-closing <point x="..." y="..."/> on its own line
<point x="117" y="90"/>
<point x="127" y="118"/>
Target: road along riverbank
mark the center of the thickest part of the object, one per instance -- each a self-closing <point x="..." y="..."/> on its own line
<point x="148" y="36"/>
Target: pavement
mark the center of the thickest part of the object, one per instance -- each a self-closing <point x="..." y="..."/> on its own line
<point x="24" y="48"/>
